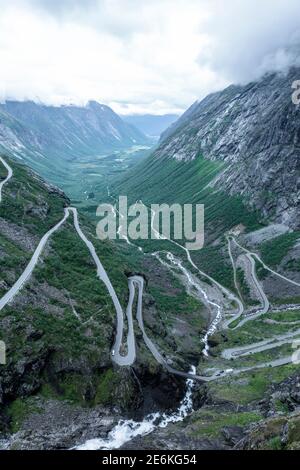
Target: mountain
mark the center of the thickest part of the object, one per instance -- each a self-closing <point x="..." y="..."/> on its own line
<point x="69" y="130"/>
<point x="254" y="132"/>
<point x="151" y="124"/>
<point x="59" y="326"/>
<point x="228" y="313"/>
<point x="236" y="152"/>
<point x="250" y="181"/>
<point x="47" y="137"/>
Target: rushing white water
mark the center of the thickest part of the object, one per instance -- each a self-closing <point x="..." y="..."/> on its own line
<point x="228" y="294"/>
<point x="126" y="430"/>
<point x="178" y="263"/>
<point x="192" y="282"/>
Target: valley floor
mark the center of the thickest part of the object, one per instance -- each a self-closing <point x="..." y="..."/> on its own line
<point x="250" y="341"/>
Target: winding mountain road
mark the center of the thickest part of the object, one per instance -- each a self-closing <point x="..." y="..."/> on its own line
<point x="122" y="360"/>
<point x="129" y="358"/>
<point x="138" y="282"/>
<point x="9" y="175"/>
<point x="236" y="285"/>
<point x="264" y="300"/>
<point x="192" y="281"/>
<point x="264" y="265"/>
<point x="8" y="297"/>
<point x="260" y="346"/>
<point x="223" y="289"/>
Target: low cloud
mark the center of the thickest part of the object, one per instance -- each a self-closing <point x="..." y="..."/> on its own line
<point x="156" y="56"/>
<point x="250" y="38"/>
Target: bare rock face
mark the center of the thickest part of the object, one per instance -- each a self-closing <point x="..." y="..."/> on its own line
<point x="58" y="425"/>
<point x="285" y="395"/>
<point x="276" y="433"/>
<point x="255" y="131"/>
<point x="70" y="130"/>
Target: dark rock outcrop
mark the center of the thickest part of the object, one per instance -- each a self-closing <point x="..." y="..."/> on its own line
<point x="58" y="425"/>
<point x="255" y="130"/>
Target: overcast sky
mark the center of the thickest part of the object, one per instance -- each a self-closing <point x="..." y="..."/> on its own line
<point x="153" y="56"/>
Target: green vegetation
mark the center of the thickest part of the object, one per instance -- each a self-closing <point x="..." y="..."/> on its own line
<point x="3" y="172"/>
<point x="285" y="316"/>
<point x="13" y="260"/>
<point x="214" y="261"/>
<point x="65" y="280"/>
<point x="28" y="202"/>
<point x="88" y="178"/>
<point x="244" y="288"/>
<point x="250" y="386"/>
<point x="274" y="443"/>
<point x="69" y="264"/>
<point x="259" y="329"/>
<point x="18" y="411"/>
<point x="178" y="303"/>
<point x="273" y="251"/>
<point x="106" y="387"/>
<point x="63" y="314"/>
<point x="71" y="387"/>
<point x="209" y="423"/>
<point x="170" y="181"/>
<point x="170" y="304"/>
<point x="281" y="407"/>
<point x="261" y="272"/>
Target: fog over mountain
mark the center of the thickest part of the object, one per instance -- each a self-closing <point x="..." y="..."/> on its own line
<point x="151" y="125"/>
<point x="154" y="58"/>
<point x="149" y="286"/>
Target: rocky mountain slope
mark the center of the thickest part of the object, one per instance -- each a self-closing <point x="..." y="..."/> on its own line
<point x="46" y="137"/>
<point x="69" y="130"/>
<point x="254" y="130"/>
<point x="60" y="328"/>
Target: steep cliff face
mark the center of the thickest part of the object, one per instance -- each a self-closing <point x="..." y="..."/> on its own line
<point x="64" y="131"/>
<point x="255" y="131"/>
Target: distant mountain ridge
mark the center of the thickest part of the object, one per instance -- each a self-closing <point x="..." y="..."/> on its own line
<point x="64" y="131"/>
<point x="255" y="131"/>
<point x="150" y="124"/>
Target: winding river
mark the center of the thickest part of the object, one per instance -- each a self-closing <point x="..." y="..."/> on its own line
<point x="128" y="429"/>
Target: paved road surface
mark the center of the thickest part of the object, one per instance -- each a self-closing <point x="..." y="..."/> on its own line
<point x="264" y="300"/>
<point x="9" y="175"/>
<point x="264" y="265"/>
<point x="137" y="281"/>
<point x="31" y="265"/>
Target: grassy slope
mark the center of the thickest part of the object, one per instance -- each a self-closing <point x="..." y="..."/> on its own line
<point x="66" y="277"/>
<point x="273" y="251"/>
<point x="169" y="181"/>
<point x="40" y="325"/>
